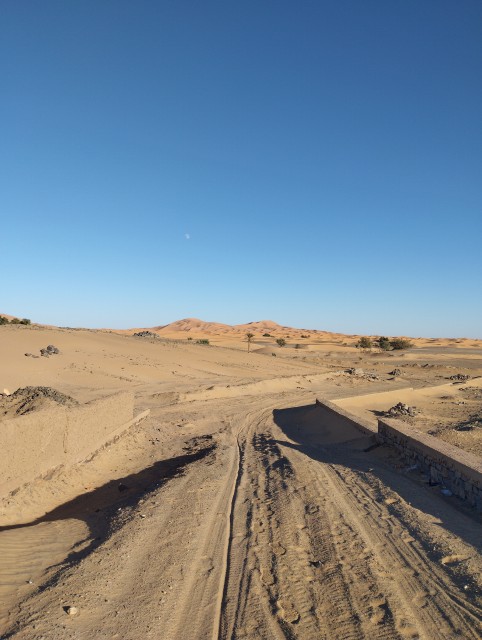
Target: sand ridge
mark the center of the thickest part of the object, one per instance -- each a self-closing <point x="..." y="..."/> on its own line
<point x="234" y="510"/>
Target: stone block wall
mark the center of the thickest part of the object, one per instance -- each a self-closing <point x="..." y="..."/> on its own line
<point x="452" y="467"/>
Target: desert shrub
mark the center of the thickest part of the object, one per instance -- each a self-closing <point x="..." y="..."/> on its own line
<point x="25" y="321"/>
<point x="384" y="343"/>
<point x="297" y="346"/>
<point x="4" y="320"/>
<point x="190" y="338"/>
<point x="203" y="341"/>
<point x="364" y="343"/>
<point x="274" y="355"/>
<point x="14" y="321"/>
<point x="400" y="343"/>
<point x="267" y="335"/>
<point x="304" y="336"/>
<point x="281" y="342"/>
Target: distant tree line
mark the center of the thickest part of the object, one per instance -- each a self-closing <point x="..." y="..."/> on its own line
<point x="384" y="343"/>
<point x="4" y="320"/>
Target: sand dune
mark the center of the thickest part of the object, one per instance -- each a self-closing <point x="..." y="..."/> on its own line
<point x="237" y="509"/>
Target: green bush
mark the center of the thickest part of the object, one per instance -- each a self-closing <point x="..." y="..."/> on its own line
<point x="4" y="320"/>
<point x="400" y="343"/>
<point x="384" y="343"/>
<point x="25" y="321"/>
<point x="281" y="342"/>
<point x="14" y="321"/>
<point x="267" y="335"/>
<point x="203" y="341"/>
<point x="364" y="343"/>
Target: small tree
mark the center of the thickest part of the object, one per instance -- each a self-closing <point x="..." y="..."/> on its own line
<point x="25" y="321"/>
<point x="249" y="338"/>
<point x="281" y="342"/>
<point x="384" y="343"/>
<point x="400" y="343"/>
<point x="364" y="343"/>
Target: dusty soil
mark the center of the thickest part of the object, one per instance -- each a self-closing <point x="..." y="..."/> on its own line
<point x="29" y="399"/>
<point x="234" y="511"/>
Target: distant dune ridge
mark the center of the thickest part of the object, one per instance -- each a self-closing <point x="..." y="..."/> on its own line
<point x="196" y="327"/>
<point x="217" y="328"/>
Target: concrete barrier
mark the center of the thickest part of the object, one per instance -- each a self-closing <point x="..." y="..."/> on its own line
<point x="452" y="467"/>
<point x="341" y="415"/>
<point x="39" y="442"/>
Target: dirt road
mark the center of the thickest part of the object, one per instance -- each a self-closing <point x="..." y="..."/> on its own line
<point x="270" y="525"/>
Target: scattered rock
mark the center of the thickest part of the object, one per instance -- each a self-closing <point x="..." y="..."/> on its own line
<point x="459" y="377"/>
<point x="316" y="563"/>
<point x="50" y="350"/>
<point x="71" y="611"/>
<point x="354" y="372"/>
<point x="395" y="372"/>
<point x="401" y="409"/>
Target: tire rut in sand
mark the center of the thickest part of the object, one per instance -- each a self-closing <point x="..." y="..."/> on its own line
<point x="423" y="597"/>
<point x="323" y="550"/>
<point x="285" y="578"/>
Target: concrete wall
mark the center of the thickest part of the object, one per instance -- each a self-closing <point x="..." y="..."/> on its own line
<point x="36" y="443"/>
<point x="456" y="469"/>
<point x="337" y="414"/>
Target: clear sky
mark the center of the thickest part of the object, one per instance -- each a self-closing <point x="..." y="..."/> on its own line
<point x="317" y="163"/>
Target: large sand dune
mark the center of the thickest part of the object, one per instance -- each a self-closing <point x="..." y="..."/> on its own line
<point x="237" y="509"/>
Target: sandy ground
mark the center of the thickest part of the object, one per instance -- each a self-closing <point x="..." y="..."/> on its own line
<point x="234" y="511"/>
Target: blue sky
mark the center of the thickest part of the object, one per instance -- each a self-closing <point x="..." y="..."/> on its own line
<point x="315" y="163"/>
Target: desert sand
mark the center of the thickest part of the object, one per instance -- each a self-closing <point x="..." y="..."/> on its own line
<point x="235" y="510"/>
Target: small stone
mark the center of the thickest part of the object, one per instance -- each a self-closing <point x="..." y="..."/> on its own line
<point x="71" y="611"/>
<point x="52" y="349"/>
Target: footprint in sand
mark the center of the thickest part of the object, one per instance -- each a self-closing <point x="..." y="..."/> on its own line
<point x="287" y="612"/>
<point x="454" y="559"/>
<point x="420" y="599"/>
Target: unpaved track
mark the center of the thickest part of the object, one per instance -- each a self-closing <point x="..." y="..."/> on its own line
<point x="274" y="536"/>
<point x="318" y="553"/>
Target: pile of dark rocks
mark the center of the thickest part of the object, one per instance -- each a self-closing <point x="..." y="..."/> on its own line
<point x="146" y="334"/>
<point x="50" y="350"/>
<point x="401" y="409"/>
<point x="395" y="372"/>
<point x="29" y="399"/>
<point x="460" y="377"/>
